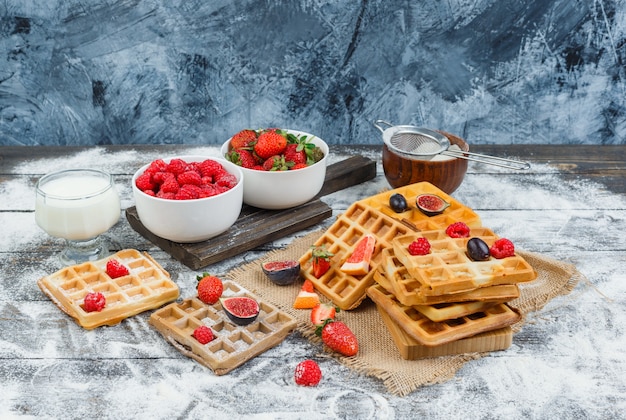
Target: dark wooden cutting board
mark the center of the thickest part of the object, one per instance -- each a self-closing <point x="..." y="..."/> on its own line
<point x="255" y="227"/>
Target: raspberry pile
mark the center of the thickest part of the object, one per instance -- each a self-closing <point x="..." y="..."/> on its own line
<point x="272" y="149"/>
<point x="181" y="180"/>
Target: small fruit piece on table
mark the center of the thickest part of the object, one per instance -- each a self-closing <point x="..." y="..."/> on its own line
<point x="282" y="272"/>
<point x="203" y="334"/>
<point x="338" y="337"/>
<point x="210" y="288"/>
<point x="242" y="310"/>
<point x="308" y="373"/>
<point x="322" y="312"/>
<point x="431" y="204"/>
<point x="358" y="264"/>
<point x="94" y="302"/>
<point x="307" y="297"/>
<point x="320" y="260"/>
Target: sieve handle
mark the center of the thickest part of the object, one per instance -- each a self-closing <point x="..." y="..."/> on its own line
<point x="490" y="160"/>
<point x="382" y="130"/>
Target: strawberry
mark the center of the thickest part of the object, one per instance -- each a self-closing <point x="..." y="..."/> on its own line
<point x="502" y="248"/>
<point x="242" y="139"/>
<point x="203" y="334"/>
<point x="298" y="166"/>
<point x="242" y="157"/>
<point x="338" y="337"/>
<point x="275" y="163"/>
<point x="270" y="143"/>
<point x="210" y="288"/>
<point x="322" y="312"/>
<point x="320" y="260"/>
<point x="94" y="302"/>
<point x="308" y="373"/>
<point x="295" y="153"/>
<point x="116" y="269"/>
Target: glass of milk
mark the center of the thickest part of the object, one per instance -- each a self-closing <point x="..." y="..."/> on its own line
<point x="78" y="205"/>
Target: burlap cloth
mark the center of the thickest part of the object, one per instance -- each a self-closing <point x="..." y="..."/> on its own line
<point x="378" y="356"/>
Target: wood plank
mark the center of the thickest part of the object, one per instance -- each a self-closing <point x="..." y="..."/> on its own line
<point x="255" y="226"/>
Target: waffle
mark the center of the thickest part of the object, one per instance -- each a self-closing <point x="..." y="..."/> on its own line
<point x="448" y="269"/>
<point x="233" y="345"/>
<point x="430" y="333"/>
<point x="344" y="290"/>
<point x="147" y="286"/>
<point x="410" y="349"/>
<point x="413" y="216"/>
<point x="394" y="277"/>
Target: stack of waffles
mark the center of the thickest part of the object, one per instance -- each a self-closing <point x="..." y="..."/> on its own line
<point x="233" y="344"/>
<point x="147" y="286"/>
<point x="374" y="216"/>
<point x="433" y="305"/>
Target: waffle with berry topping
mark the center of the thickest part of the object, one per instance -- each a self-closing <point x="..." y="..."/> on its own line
<point x="146" y="286"/>
<point x="448" y="269"/>
<point x="232" y="345"/>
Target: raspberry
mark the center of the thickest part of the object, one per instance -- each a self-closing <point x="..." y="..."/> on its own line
<point x="210" y="168"/>
<point x="189" y="177"/>
<point x="144" y="182"/>
<point x="308" y="373"/>
<point x="502" y="248"/>
<point x="226" y="179"/>
<point x="420" y="246"/>
<point x="177" y="166"/>
<point x="203" y="334"/>
<point x="170" y="186"/>
<point x="458" y="230"/>
<point x="94" y="302"/>
<point x="116" y="269"/>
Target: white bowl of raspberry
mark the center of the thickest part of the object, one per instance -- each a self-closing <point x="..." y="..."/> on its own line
<point x="188" y="199"/>
<point x="282" y="168"/>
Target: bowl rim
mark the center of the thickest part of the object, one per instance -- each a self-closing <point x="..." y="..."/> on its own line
<point x="142" y="169"/>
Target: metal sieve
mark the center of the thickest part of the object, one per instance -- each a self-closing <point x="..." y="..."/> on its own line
<point x="422" y="143"/>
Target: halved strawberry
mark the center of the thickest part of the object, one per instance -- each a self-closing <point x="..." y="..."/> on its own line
<point x="320" y="262"/>
<point x="323" y="312"/>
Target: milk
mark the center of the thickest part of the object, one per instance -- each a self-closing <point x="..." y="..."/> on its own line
<point x="77" y="207"/>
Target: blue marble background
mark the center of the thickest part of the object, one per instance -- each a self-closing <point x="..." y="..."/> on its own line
<point x="78" y="72"/>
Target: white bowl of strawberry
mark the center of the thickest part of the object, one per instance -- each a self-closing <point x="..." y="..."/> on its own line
<point x="188" y="198"/>
<point x="282" y="168"/>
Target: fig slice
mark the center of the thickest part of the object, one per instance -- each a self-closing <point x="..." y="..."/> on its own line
<point x="282" y="273"/>
<point x="431" y="204"/>
<point x="241" y="310"/>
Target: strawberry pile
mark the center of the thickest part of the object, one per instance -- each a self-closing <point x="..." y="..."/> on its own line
<point x="181" y="180"/>
<point x="272" y="149"/>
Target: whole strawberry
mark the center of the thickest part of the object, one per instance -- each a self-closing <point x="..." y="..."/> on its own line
<point x="94" y="302"/>
<point x="338" y="337"/>
<point x="275" y="163"/>
<point x="295" y="153"/>
<point x="116" y="269"/>
<point x="308" y="373"/>
<point x="243" y="158"/>
<point x="243" y="138"/>
<point x="270" y="143"/>
<point x="210" y="288"/>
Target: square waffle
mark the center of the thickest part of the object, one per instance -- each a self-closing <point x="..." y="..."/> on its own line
<point x="430" y="333"/>
<point x="448" y="269"/>
<point x="410" y="349"/>
<point x="147" y="286"/>
<point x="413" y="216"/>
<point x="233" y="345"/>
<point x="395" y="277"/>
<point x="344" y="290"/>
